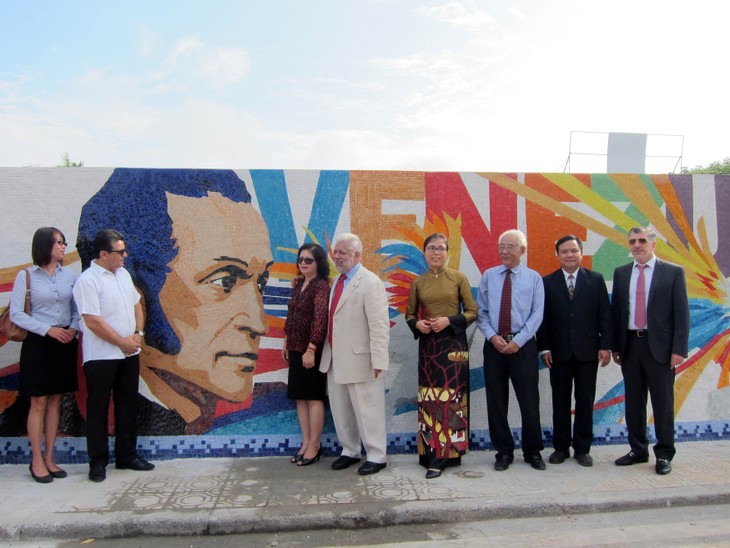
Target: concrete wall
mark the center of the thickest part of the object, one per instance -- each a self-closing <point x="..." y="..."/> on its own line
<point x="262" y="216"/>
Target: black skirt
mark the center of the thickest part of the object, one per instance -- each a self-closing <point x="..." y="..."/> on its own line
<point x="47" y="367"/>
<point x="305" y="384"/>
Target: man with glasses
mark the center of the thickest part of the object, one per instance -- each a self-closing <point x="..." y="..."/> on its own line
<point x="112" y="320"/>
<point x="510" y="306"/>
<point x="355" y="355"/>
<point x="650" y="313"/>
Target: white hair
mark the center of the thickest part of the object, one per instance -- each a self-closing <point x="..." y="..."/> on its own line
<point x="521" y="238"/>
<point x="351" y="240"/>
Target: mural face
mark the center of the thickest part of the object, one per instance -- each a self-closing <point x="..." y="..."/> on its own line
<point x="213" y="300"/>
<point x="214" y="251"/>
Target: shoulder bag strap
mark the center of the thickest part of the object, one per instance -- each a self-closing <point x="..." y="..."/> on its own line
<point x="27" y="291"/>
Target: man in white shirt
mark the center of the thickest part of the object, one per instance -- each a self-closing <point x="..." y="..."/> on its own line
<point x="111" y="322"/>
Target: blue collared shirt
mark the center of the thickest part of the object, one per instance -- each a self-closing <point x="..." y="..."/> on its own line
<point x="528" y="302"/>
<point x="51" y="300"/>
<point x="350" y="275"/>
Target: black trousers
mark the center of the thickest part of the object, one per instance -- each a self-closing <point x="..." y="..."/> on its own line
<point x="641" y="373"/>
<point x="564" y="376"/>
<point x="522" y="369"/>
<point x="105" y="378"/>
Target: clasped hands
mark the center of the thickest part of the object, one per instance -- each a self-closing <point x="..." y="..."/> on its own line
<point x="433" y="325"/>
<point x="62" y="335"/>
<point x="504" y="347"/>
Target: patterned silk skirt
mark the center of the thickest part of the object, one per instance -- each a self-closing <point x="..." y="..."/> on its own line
<point x="443" y="399"/>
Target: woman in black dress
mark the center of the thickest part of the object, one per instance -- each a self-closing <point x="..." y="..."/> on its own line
<point x="48" y="354"/>
<point x="305" y="330"/>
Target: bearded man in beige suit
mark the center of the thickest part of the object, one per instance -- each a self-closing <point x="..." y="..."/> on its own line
<point x="354" y="357"/>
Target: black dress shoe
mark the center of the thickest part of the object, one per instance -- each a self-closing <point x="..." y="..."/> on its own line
<point x="433" y="473"/>
<point x="663" y="467"/>
<point x="48" y="478"/>
<point x="371" y="468"/>
<point x="344" y="462"/>
<point x="557" y="457"/>
<point x="584" y="459"/>
<point x="138" y="464"/>
<point x="502" y="463"/>
<point x="535" y="461"/>
<point x="97" y="473"/>
<point x="631" y="458"/>
<point x="306" y="462"/>
<point x="58" y="474"/>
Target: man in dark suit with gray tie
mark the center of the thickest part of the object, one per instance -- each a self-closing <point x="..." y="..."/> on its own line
<point x="575" y="336"/>
<point x="650" y="313"/>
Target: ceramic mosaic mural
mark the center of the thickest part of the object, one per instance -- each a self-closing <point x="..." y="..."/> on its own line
<point x="213" y="253"/>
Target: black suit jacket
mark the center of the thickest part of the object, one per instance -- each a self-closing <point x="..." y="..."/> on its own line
<point x="579" y="327"/>
<point x="667" y="310"/>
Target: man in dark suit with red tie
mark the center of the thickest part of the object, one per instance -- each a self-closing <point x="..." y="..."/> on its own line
<point x="575" y="336"/>
<point x="650" y="313"/>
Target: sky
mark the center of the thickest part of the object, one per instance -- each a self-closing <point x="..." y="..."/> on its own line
<point x="465" y="85"/>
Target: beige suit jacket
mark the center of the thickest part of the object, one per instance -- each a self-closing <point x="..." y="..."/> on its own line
<point x="361" y="333"/>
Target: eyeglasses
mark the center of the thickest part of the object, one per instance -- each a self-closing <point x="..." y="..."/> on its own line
<point x="120" y="251"/>
<point x="305" y="260"/>
<point x="436" y="248"/>
<point x="60" y="242"/>
<point x="341" y="252"/>
<point x="507" y="247"/>
<point x="642" y="241"/>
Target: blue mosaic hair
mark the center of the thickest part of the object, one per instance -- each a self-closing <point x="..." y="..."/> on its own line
<point x="133" y="202"/>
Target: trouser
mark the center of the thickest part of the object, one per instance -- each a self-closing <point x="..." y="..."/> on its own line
<point x="105" y="378"/>
<point x="643" y="373"/>
<point x="563" y="377"/>
<point x="358" y="411"/>
<point x="522" y="369"/>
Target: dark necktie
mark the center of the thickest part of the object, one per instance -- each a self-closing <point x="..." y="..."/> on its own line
<point x="505" y="306"/>
<point x="571" y="287"/>
<point x="640" y="301"/>
<point x="335" y="299"/>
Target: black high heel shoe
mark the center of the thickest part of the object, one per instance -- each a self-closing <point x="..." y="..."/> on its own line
<point x="307" y="462"/>
<point x="40" y="479"/>
<point x="296" y="458"/>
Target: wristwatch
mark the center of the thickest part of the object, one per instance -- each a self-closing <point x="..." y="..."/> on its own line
<point x="140" y="333"/>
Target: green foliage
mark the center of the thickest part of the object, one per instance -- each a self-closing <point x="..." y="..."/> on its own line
<point x="66" y="162"/>
<point x="716" y="168"/>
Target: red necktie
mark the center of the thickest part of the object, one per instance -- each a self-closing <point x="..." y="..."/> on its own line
<point x="505" y="306"/>
<point x="335" y="299"/>
<point x="640" y="300"/>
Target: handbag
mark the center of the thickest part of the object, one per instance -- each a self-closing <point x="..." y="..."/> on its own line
<point x="9" y="330"/>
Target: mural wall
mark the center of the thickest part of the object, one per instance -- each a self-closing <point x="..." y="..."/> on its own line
<point x="213" y="252"/>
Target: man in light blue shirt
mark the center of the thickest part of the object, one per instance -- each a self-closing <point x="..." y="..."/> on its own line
<point x="510" y="308"/>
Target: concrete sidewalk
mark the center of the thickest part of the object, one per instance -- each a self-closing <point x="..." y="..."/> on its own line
<point x="219" y="496"/>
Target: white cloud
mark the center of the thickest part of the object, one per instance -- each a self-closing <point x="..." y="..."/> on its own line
<point x="192" y="62"/>
<point x="461" y="14"/>
<point x="225" y="66"/>
<point x="148" y="41"/>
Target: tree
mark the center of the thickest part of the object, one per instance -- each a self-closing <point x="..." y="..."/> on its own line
<point x="716" y="168"/>
<point x="65" y="162"/>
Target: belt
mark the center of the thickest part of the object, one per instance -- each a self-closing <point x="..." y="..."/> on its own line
<point x="509" y="336"/>
<point x="641" y="333"/>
